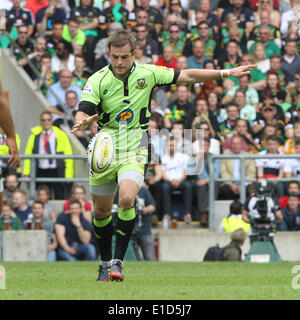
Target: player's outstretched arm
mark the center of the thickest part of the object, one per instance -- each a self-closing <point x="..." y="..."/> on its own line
<point x="82" y="121"/>
<point x="200" y="75"/>
<point x="7" y="125"/>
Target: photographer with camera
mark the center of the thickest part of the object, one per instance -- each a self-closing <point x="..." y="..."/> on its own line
<point x="262" y="212"/>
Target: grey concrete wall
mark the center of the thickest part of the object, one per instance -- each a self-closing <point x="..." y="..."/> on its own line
<point x="191" y="245"/>
<point x="24" y="245"/>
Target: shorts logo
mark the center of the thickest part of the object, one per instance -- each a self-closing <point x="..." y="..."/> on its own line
<point x="141" y="84"/>
<point x="125" y="115"/>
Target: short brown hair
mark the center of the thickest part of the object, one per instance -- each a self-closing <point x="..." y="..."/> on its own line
<point x="74" y="201"/>
<point x="119" y="38"/>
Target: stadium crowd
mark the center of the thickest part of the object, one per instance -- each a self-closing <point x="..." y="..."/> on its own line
<point x="65" y="41"/>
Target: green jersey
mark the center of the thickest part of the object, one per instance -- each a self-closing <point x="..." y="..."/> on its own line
<point x="124" y="105"/>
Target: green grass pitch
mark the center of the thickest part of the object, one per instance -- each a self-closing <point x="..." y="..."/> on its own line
<point x="150" y="281"/>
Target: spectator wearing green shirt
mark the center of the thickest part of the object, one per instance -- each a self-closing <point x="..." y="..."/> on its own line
<point x="73" y="34"/>
<point x="8" y="219"/>
<point x="270" y="46"/>
<point x="257" y="78"/>
<point x="173" y="37"/>
<point x="275" y="66"/>
<point x="4" y="40"/>
<point x="204" y="35"/>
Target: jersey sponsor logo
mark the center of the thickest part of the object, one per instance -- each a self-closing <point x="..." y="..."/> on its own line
<point x="141" y="84"/>
<point x="125" y="115"/>
<point x="163" y="68"/>
<point x="88" y="89"/>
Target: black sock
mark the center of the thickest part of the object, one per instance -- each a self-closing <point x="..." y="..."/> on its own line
<point x="103" y="238"/>
<point x="123" y="233"/>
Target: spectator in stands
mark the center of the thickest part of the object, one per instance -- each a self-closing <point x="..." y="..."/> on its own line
<point x="290" y="63"/>
<point x="80" y="74"/>
<point x="275" y="67"/>
<point x="20" y="205"/>
<point x="289" y="16"/>
<point x="23" y="42"/>
<point x="272" y="168"/>
<point x="260" y="58"/>
<point x="74" y="235"/>
<point x="273" y="88"/>
<point x="34" y="58"/>
<point x="101" y="62"/>
<point x="155" y="17"/>
<point x="197" y="59"/>
<point x="252" y="97"/>
<point x="101" y="45"/>
<point x="242" y="130"/>
<point x="140" y="56"/>
<point x="47" y="76"/>
<point x="55" y="37"/>
<point x="11" y="184"/>
<point x="205" y="131"/>
<point x="291" y="214"/>
<point x="8" y="220"/>
<point x="21" y="16"/>
<point x="35" y="5"/>
<point x="293" y="188"/>
<point x="204" y="8"/>
<point x="265" y="11"/>
<point x="74" y="35"/>
<point x="88" y="15"/>
<point x="244" y="15"/>
<point x="49" y="139"/>
<point x="257" y="78"/>
<point x="234" y="220"/>
<point x="230" y="58"/>
<point x="168" y="58"/>
<point x="79" y="193"/>
<point x="292" y="167"/>
<point x="213" y="100"/>
<point x="268" y="113"/>
<point x="200" y="114"/>
<point x="56" y="94"/>
<point x="44" y="195"/>
<point x="151" y="45"/>
<point x="180" y="108"/>
<point x="230" y="169"/>
<point x="174" y="166"/>
<point x="64" y="58"/>
<point x="247" y="111"/>
<point x="265" y="38"/>
<point x="227" y="128"/>
<point x="40" y="222"/>
<point x="175" y="8"/>
<point x="153" y="178"/>
<point x="233" y="252"/>
<point x="49" y="14"/>
<point x="203" y="179"/>
<point x="292" y="142"/>
<point x="173" y="37"/>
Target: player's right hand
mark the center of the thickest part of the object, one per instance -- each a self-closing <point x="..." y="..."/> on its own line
<point x="83" y="123"/>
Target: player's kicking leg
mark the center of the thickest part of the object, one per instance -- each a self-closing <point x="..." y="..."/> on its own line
<point x="129" y="185"/>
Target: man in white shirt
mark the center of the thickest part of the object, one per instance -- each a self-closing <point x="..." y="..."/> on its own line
<point x="272" y="168"/>
<point x="289" y="16"/>
<point x="174" y="166"/>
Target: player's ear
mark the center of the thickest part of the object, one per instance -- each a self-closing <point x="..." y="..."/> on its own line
<point x="134" y="53"/>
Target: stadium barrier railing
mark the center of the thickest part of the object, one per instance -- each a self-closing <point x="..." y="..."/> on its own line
<point x="242" y="181"/>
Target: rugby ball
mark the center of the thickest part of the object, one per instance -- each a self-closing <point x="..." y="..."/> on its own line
<point x="100" y="152"/>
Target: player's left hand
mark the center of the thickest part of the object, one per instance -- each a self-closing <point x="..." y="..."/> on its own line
<point x="14" y="154"/>
<point x="242" y="70"/>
